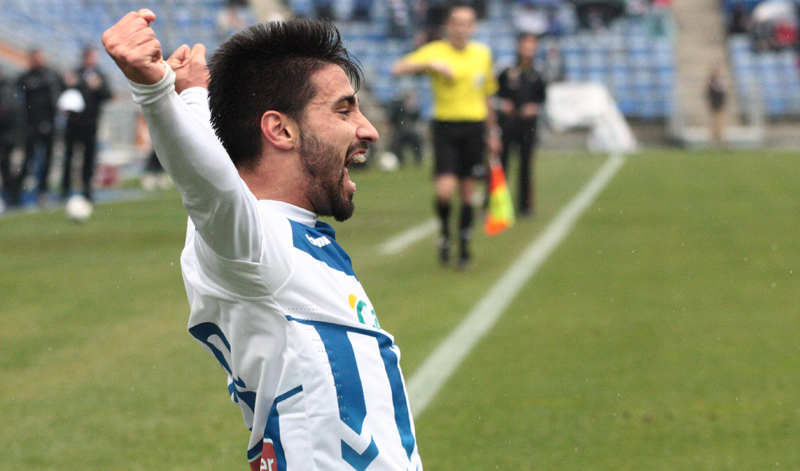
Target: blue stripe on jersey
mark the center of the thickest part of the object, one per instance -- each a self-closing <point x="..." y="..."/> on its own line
<point x="401" y="415"/>
<point x="348" y="379"/>
<point x="342" y="359"/>
<point x="203" y="332"/>
<point x="320" y="243"/>
<point x="359" y="461"/>
<point x="273" y="430"/>
<point x="206" y="330"/>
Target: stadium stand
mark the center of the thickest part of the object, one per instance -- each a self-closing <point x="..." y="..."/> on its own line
<point x="63" y="27"/>
<point x="766" y="73"/>
<point x="770" y="77"/>
<point x="636" y="66"/>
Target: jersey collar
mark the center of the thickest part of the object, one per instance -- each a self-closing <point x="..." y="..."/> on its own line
<point x="292" y="212"/>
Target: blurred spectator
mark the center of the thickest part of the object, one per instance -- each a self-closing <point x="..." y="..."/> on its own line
<point x="773" y="25"/>
<point x="521" y="95"/>
<point x="82" y="124"/>
<point x="41" y="87"/>
<point x="323" y="9"/>
<point x="232" y="18"/>
<point x="596" y="15"/>
<point x="399" y="18"/>
<point x="9" y="134"/>
<point x="739" y="20"/>
<point x="539" y="17"/>
<point x="715" y="95"/>
<point x="404" y="116"/>
<point x="362" y="11"/>
<point x="529" y="18"/>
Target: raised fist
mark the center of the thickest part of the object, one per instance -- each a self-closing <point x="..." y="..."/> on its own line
<point x="190" y="67"/>
<point x="134" y="47"/>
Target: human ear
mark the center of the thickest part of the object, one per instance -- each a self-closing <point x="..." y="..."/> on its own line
<point x="279" y="130"/>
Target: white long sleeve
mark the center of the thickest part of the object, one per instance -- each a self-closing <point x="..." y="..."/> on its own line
<point x="219" y="203"/>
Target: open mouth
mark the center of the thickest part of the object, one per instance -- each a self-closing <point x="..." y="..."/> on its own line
<point x="358" y="158"/>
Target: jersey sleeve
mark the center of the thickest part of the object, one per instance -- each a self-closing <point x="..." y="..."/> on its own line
<point x="221" y="207"/>
<point x="420" y="56"/>
<point x="491" y="86"/>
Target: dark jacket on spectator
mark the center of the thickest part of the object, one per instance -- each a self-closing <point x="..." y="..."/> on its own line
<point x="41" y="89"/>
<point x="93" y="98"/>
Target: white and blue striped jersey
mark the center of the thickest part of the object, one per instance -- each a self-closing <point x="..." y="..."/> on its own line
<point x="275" y="299"/>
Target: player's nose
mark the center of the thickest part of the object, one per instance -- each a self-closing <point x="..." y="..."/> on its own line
<point x="366" y="131"/>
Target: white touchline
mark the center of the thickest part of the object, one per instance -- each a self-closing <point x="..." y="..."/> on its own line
<point x="442" y="363"/>
<point x="408" y="238"/>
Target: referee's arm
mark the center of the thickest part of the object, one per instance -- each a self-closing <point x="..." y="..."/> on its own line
<point x="406" y="67"/>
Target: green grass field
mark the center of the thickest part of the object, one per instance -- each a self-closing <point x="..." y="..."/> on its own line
<point x="661" y="335"/>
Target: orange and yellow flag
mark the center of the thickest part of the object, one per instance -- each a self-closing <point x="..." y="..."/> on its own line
<point x="500" y="212"/>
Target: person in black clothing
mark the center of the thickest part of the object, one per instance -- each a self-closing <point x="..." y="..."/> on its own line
<point x="715" y="95"/>
<point x="9" y="134"/>
<point x="82" y="126"/>
<point x="41" y="86"/>
<point x="522" y="92"/>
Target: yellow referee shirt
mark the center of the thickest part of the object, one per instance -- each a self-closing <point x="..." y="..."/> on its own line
<point x="464" y="97"/>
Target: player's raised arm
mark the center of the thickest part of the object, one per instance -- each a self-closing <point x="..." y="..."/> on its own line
<point x="220" y="206"/>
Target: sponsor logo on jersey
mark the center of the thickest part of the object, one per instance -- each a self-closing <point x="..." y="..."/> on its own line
<point x="318" y="241"/>
<point x="364" y="311"/>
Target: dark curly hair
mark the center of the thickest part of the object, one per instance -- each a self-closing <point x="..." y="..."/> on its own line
<point x="269" y="67"/>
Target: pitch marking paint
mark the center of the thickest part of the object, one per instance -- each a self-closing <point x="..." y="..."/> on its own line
<point x="443" y="362"/>
<point x="406" y="239"/>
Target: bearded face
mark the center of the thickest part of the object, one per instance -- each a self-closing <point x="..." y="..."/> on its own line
<point x="330" y="190"/>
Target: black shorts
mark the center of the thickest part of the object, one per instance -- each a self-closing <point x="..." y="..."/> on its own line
<point x="459" y="148"/>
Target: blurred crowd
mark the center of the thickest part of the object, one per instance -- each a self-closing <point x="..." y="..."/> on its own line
<point x="40" y="107"/>
<point x="423" y="19"/>
<point x="771" y="24"/>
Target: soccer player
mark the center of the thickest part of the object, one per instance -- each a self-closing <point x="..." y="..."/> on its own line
<point x="273" y="296"/>
<point x="463" y="83"/>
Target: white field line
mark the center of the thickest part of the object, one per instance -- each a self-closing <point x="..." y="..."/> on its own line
<point x="408" y="238"/>
<point x="443" y="362"/>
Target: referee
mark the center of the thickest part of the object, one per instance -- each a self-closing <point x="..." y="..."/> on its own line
<point x="464" y="123"/>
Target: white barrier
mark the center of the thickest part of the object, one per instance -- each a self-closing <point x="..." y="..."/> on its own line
<point x="581" y="105"/>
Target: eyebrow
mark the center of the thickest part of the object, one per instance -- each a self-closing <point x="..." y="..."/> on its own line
<point x="350" y="99"/>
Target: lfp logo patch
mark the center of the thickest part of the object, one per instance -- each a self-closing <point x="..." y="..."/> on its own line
<point x="365" y="312"/>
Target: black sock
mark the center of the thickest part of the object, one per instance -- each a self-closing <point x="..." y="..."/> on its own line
<point x="466" y="228"/>
<point x="443" y="210"/>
